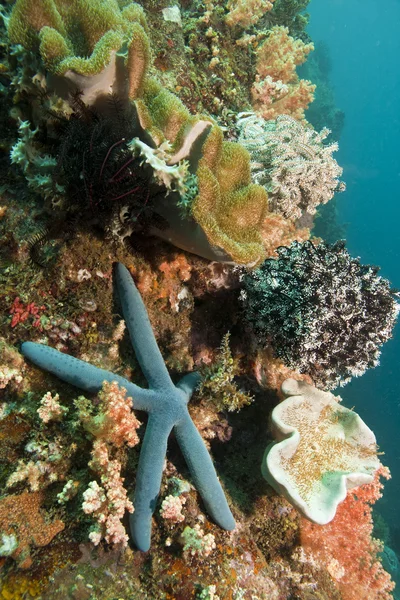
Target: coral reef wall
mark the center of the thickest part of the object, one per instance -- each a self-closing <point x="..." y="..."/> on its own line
<point x="174" y="139"/>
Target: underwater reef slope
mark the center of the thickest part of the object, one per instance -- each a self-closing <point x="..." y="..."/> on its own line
<point x="158" y="185"/>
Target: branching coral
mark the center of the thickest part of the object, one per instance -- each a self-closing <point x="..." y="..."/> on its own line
<point x="323" y="312"/>
<point x="11" y="367"/>
<point x="291" y="161"/>
<point x="171" y="508"/>
<point x="113" y="426"/>
<point x="246" y="12"/>
<point x="172" y="177"/>
<point x="280" y="54"/>
<point x="277" y="89"/>
<point x="108" y="502"/>
<point x="48" y="462"/>
<point x="114" y="423"/>
<point x="196" y="542"/>
<point x="218" y="383"/>
<point x="37" y="168"/>
<point x="50" y="409"/>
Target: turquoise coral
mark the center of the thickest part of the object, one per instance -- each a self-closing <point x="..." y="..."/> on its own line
<point x="166" y="404"/>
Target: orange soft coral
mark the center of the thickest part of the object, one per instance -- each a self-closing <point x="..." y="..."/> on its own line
<point x="23" y="525"/>
<point x="277" y="231"/>
<point x="277" y="89"/>
<point x="345" y="546"/>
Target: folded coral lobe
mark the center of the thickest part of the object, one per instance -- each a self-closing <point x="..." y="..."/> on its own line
<point x="322" y="450"/>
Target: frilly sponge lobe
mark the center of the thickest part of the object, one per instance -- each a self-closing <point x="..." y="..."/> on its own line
<point x="322" y="450"/>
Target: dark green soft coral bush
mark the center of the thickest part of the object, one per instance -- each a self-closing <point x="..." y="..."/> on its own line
<point x="322" y="311"/>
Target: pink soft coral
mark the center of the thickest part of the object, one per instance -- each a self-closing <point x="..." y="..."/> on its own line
<point x="345" y="546"/>
<point x="247" y="12"/>
<point x="277" y="89"/>
<point x="115" y="422"/>
<point x="108" y="502"/>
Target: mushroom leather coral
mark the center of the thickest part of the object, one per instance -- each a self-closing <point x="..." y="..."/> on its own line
<point x="89" y="46"/>
<point x="112" y="54"/>
<point x="229" y="208"/>
<point x="322" y="450"/>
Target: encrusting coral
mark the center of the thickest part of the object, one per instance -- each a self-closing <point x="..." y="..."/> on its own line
<point x="322" y="450"/>
<point x="24" y="524"/>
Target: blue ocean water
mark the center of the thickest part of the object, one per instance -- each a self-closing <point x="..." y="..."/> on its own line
<point x="364" y="44"/>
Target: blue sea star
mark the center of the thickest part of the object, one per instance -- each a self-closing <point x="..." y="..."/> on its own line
<point x="165" y="403"/>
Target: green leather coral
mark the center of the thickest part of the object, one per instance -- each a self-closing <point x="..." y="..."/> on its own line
<point x="163" y="115"/>
<point x="322" y="450"/>
<point x="80" y="36"/>
<point x="229" y="208"/>
<point x="102" y="47"/>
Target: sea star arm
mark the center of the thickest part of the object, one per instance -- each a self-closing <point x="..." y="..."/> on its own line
<point x="188" y="384"/>
<point x="203" y="472"/>
<point x="165" y="403"/>
<point x="80" y="373"/>
<point x="140" y="331"/>
<point x="148" y="478"/>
